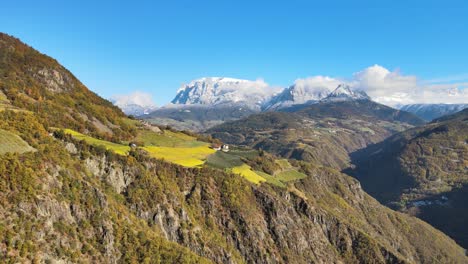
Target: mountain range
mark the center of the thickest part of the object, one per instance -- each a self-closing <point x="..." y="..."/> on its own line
<point x="430" y="112"/>
<point x="207" y="102"/>
<point x="214" y="100"/>
<point x="80" y="182"/>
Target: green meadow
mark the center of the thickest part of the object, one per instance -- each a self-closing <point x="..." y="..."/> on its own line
<point x="11" y="143"/>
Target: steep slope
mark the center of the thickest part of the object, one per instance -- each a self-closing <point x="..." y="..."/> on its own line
<point x="429" y="112"/>
<point x="83" y="205"/>
<point x="423" y="171"/>
<point x="323" y="132"/>
<point x="35" y="82"/>
<point x="84" y="200"/>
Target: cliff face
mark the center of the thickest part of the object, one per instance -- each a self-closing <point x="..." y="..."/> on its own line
<point x="325" y="218"/>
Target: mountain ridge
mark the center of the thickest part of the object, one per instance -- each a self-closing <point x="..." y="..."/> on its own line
<point x="202" y="92"/>
<point x="430" y="112"/>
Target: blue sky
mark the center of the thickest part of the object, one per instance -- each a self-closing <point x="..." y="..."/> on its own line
<point x="115" y="47"/>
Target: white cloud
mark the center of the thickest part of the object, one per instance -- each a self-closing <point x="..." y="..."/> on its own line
<point x="456" y="93"/>
<point x="385" y="86"/>
<point x="313" y="88"/>
<point x="317" y="83"/>
<point x="393" y="87"/>
<point x="135" y="98"/>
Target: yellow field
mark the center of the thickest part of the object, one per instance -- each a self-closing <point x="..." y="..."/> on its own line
<point x="117" y="148"/>
<point x="188" y="157"/>
<point x="245" y="171"/>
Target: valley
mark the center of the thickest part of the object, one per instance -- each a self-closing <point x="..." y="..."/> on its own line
<point x="422" y="171"/>
<point x="325" y="133"/>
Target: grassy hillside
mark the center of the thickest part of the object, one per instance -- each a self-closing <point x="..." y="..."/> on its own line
<point x="35" y="82"/>
<point x="117" y="148"/>
<point x="174" y="147"/>
<point x="11" y="143"/>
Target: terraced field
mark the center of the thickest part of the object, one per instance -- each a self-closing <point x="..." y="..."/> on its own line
<point x="170" y="146"/>
<point x="11" y="143"/>
<point x="185" y="150"/>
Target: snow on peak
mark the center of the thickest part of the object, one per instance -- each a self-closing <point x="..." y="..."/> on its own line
<point x="344" y="92"/>
<point x="303" y="91"/>
<point x="429" y="112"/>
<point x="222" y="90"/>
<point x="136" y="103"/>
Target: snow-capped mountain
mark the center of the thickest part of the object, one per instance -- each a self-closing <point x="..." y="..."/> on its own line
<point x="136" y="110"/>
<point x="213" y="91"/>
<point x="136" y="103"/>
<point x="210" y="101"/>
<point x="344" y="93"/>
<point x="302" y="95"/>
<point x="429" y="112"/>
<point x="302" y="92"/>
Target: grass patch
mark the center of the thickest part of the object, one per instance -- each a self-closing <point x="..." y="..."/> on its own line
<point x="193" y="155"/>
<point x="245" y="171"/>
<point x="284" y="164"/>
<point x="117" y="148"/>
<point x="244" y="153"/>
<point x="290" y="175"/>
<point x="168" y="138"/>
<point x="188" y="157"/>
<point x="271" y="179"/>
<point x="223" y="160"/>
<point x="130" y="122"/>
<point x="11" y="143"/>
